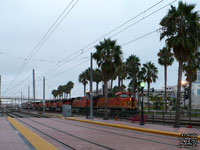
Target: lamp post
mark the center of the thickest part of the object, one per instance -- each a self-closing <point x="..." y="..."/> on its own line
<point x="142" y="84"/>
<point x="184" y="84"/>
<point x="87" y="96"/>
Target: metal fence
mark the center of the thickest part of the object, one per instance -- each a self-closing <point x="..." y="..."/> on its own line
<point x="162" y="117"/>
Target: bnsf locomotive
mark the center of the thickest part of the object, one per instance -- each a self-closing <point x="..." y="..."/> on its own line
<point x="121" y="100"/>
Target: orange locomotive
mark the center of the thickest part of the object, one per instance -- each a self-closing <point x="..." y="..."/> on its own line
<point x="121" y="100"/>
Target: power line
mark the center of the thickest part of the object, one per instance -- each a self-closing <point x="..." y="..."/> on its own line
<point x="51" y="27"/>
<point x="40" y="79"/>
<point x="45" y="37"/>
<point x="25" y="59"/>
<point x="142" y="19"/>
<point x="54" y="29"/>
<point x="140" y="37"/>
<point x="67" y="69"/>
<point x="8" y="89"/>
<point x="51" y="68"/>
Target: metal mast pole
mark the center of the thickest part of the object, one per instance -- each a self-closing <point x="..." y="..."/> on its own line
<point x="43" y="95"/>
<point x="33" y="84"/>
<point x="28" y="98"/>
<point x="0" y="89"/>
<point x="91" y="98"/>
<point x="28" y="93"/>
<point x="21" y="100"/>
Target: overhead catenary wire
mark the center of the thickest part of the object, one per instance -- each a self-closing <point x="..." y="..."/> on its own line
<point x="81" y="50"/>
<point x="68" y="69"/>
<point x="40" y="79"/>
<point x="142" y="19"/>
<point x="140" y="37"/>
<point x="131" y="41"/>
<point x="24" y="59"/>
<point x="115" y="29"/>
<point x="54" y="28"/>
<point x="8" y="89"/>
<point x="44" y="39"/>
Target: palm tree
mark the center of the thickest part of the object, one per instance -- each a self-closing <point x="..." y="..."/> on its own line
<point x="121" y="72"/>
<point x="190" y="69"/>
<point x="108" y="56"/>
<point x="54" y="93"/>
<point x="82" y="79"/>
<point x="112" y="79"/>
<point x="181" y="28"/>
<point x="165" y="59"/>
<point x="70" y="86"/>
<point x="66" y="91"/>
<point x="150" y="75"/>
<point x="60" y="91"/>
<point x="97" y="77"/>
<point x="132" y="65"/>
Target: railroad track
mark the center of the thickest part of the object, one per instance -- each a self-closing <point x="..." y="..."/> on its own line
<point x="116" y="129"/>
<point x="160" y="120"/>
<point x="27" y="115"/>
<point x="34" y="115"/>
<point x="54" y="138"/>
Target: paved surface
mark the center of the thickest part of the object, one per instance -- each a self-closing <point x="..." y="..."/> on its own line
<point x="36" y="141"/>
<point x="86" y="136"/>
<point x="68" y="134"/>
<point x="9" y="139"/>
<point x="148" y="125"/>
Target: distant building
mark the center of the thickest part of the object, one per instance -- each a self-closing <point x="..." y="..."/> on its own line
<point x="196" y="90"/>
<point x="172" y="93"/>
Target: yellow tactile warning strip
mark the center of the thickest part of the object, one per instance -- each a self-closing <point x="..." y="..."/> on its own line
<point x="38" y="142"/>
<point x="167" y="133"/>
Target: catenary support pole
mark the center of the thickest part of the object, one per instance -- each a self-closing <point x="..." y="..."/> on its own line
<point x="0" y="90"/>
<point x="91" y="94"/>
<point x="28" y="98"/>
<point x="33" y="84"/>
<point x="21" y="100"/>
<point x="43" y="96"/>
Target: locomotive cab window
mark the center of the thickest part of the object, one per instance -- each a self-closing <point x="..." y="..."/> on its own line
<point x="124" y="96"/>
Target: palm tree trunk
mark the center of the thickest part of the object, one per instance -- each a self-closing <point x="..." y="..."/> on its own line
<point x="119" y="81"/>
<point x="190" y="98"/>
<point x="133" y="90"/>
<point x="165" y="67"/>
<point x="177" y="117"/>
<point x="148" y="94"/>
<point x="111" y="83"/>
<point x="106" y="100"/>
<point x="97" y="87"/>
<point x="84" y="88"/>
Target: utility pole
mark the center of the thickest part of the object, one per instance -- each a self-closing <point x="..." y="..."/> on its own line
<point x="21" y="100"/>
<point x="91" y="98"/>
<point x="43" y="95"/>
<point x="0" y="89"/>
<point x="33" y="84"/>
<point x="28" y="93"/>
<point x="28" y="98"/>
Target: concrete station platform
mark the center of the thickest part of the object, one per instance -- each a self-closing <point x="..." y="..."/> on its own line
<point x="9" y="138"/>
<point x="14" y="136"/>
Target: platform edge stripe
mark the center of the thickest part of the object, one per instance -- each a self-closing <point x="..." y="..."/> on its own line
<point x="167" y="133"/>
<point x="38" y="142"/>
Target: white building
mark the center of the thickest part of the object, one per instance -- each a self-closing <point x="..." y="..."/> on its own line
<point x="196" y="92"/>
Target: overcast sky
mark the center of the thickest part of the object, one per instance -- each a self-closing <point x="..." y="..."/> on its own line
<point x="24" y="23"/>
